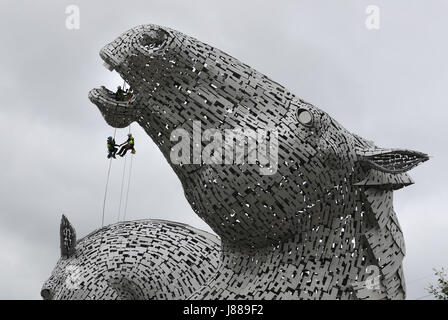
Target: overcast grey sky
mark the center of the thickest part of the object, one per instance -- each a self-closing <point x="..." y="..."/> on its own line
<point x="387" y="85"/>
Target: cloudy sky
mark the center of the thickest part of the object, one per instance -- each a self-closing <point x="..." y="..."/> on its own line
<point x="388" y="85"/>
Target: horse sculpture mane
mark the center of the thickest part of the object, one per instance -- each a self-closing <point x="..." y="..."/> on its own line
<point x="310" y="218"/>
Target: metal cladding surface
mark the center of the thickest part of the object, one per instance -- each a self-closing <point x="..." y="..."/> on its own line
<point x="138" y="260"/>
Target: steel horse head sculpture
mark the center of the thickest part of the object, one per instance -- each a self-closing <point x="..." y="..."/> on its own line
<point x="310" y="218"/>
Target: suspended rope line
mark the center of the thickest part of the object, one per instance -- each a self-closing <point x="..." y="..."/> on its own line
<point x="129" y="181"/>
<point x="122" y="184"/>
<point x="107" y="184"/>
<point x="127" y="191"/>
<point x="121" y="191"/>
<point x="418" y="279"/>
<point x="422" y="297"/>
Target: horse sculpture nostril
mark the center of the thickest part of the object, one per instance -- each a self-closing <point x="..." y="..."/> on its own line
<point x="46" y="294"/>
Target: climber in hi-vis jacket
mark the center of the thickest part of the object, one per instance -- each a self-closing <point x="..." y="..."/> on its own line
<point x="127" y="145"/>
<point x="111" y="147"/>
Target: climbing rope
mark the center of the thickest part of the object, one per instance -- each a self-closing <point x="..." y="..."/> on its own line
<point x="122" y="184"/>
<point x="121" y="191"/>
<point x="127" y="191"/>
<point x="107" y="184"/>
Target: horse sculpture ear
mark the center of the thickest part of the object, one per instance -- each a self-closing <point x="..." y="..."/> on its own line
<point x="68" y="238"/>
<point x="390" y="160"/>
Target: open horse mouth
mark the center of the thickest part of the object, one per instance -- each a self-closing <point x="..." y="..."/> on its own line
<point x="118" y="112"/>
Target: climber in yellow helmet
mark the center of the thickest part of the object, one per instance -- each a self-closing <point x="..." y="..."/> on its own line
<point x="127" y="145"/>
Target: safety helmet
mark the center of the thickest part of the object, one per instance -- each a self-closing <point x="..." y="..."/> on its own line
<point x="109" y="138"/>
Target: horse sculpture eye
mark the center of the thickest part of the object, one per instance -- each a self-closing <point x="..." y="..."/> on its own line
<point x="305" y="117"/>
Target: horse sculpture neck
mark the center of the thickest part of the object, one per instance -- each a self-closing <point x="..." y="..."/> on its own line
<point x="312" y="264"/>
<point x="348" y="256"/>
